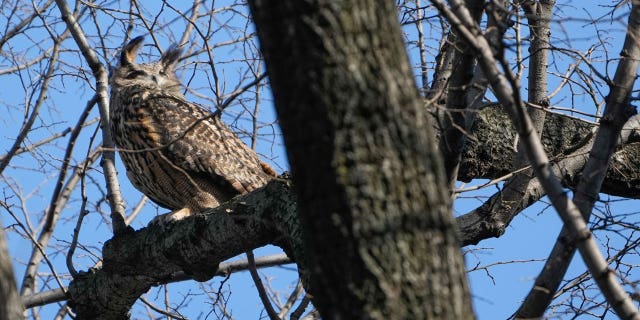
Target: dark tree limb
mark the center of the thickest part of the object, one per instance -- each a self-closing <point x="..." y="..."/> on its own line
<point x="373" y="196"/>
<point x="567" y="140"/>
<point x="453" y="117"/>
<point x="284" y="229"/>
<point x="224" y="269"/>
<point x="488" y="154"/>
<point x="136" y="261"/>
<point x="505" y="88"/>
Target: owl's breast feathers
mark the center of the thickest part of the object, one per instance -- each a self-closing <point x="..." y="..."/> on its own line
<point x="181" y="155"/>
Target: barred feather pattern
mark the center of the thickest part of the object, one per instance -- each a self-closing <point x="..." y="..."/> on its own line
<point x="179" y="154"/>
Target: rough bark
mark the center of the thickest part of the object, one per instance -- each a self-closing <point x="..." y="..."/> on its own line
<point x="89" y="292"/>
<point x="566" y="140"/>
<point x="135" y="261"/>
<point x="453" y="119"/>
<point x="373" y="197"/>
<point x="505" y="88"/>
<point x="490" y="153"/>
<point x="10" y="304"/>
<point x="617" y="112"/>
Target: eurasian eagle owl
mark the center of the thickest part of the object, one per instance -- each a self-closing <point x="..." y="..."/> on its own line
<point x="177" y="153"/>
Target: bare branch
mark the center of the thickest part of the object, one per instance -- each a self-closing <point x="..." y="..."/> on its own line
<point x="260" y="287"/>
<point x="108" y="157"/>
<point x="617" y="112"/>
<point x="224" y="270"/>
<point x="8" y="34"/>
<point x="58" y="201"/>
<point x="292" y="299"/>
<point x="26" y="126"/>
<point x="569" y="212"/>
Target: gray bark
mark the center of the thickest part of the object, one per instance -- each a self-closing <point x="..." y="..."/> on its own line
<point x="133" y="262"/>
<point x="453" y="118"/>
<point x="373" y="196"/>
<point x="489" y="153"/>
<point x="567" y="141"/>
<point x="111" y="282"/>
<point x="10" y="304"/>
<point x="617" y="111"/>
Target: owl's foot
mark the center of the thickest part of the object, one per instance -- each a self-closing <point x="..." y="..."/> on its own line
<point x="165" y="219"/>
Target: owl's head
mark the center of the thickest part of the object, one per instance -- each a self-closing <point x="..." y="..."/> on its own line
<point x="157" y="75"/>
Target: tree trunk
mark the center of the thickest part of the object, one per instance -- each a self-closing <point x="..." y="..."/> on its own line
<point x="10" y="303"/>
<point x="380" y="237"/>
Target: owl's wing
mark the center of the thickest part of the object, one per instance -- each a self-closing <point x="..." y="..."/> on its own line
<point x="196" y="140"/>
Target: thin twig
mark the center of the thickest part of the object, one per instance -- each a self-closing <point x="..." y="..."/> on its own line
<point x="260" y="287"/>
<point x="569" y="212"/>
<point x="28" y="123"/>
<point x="108" y="157"/>
<point x="58" y="201"/>
<point x="160" y="311"/>
<point x="92" y="157"/>
<point x="291" y="300"/>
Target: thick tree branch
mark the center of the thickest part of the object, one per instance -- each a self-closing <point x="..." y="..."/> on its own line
<point x="136" y="261"/>
<point x="489" y="154"/>
<point x="569" y="212"/>
<point x="567" y="140"/>
<point x="224" y="269"/>
<point x="488" y="124"/>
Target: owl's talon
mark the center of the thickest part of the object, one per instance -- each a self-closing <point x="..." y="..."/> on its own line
<point x="164" y="220"/>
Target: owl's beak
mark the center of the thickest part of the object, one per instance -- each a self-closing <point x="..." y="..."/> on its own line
<point x="160" y="81"/>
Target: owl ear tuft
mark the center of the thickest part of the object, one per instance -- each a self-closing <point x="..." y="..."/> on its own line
<point x="128" y="54"/>
<point x="171" y="57"/>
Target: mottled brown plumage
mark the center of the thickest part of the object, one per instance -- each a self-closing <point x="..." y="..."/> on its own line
<point x="178" y="154"/>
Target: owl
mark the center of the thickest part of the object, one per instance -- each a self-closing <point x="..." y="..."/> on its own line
<point x="182" y="156"/>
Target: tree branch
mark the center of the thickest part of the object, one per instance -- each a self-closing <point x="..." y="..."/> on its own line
<point x="10" y="307"/>
<point x="108" y="157"/>
<point x="453" y="117"/>
<point x="224" y="269"/>
<point x="504" y="205"/>
<point x="617" y="112"/>
<point x="136" y="261"/>
<point x="569" y="212"/>
<point x="268" y="307"/>
<point x="489" y="153"/>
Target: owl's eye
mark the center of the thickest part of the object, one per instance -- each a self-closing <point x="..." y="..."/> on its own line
<point x="135" y="74"/>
